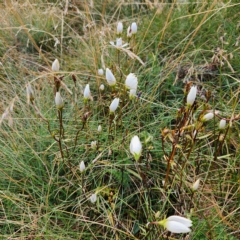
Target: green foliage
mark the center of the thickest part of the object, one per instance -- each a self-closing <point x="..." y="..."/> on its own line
<point x="44" y="195"/>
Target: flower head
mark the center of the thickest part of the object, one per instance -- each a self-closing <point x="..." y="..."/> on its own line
<point x="119" y="43"/>
<point x="119" y="28"/>
<point x="114" y="105"/>
<point x="55" y="65"/>
<point x="59" y="101"/>
<point x="82" y="166"/>
<point x="222" y="124"/>
<point x="192" y="96"/>
<point x="207" y="117"/>
<point x="87" y="93"/>
<point x="131" y="81"/>
<point x="134" y="28"/>
<point x="177" y="224"/>
<point x="93" y="198"/>
<point x="195" y="185"/>
<point x="99" y="128"/>
<point x="110" y="77"/>
<point x="136" y="147"/>
<point x="94" y="145"/>
<point x="100" y="71"/>
<point x="101" y="87"/>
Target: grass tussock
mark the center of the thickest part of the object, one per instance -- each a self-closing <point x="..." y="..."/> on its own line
<point x="67" y="169"/>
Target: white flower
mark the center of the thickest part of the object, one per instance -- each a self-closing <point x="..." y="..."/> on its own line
<point x="132" y="93"/>
<point x="94" y="145"/>
<point x="134" y="28"/>
<point x="129" y="32"/>
<point x="222" y="124"/>
<point x="114" y="105"/>
<point x="131" y="81"/>
<point x="207" y="117"/>
<point x="101" y="87"/>
<point x="110" y="77"/>
<point x="55" y="65"/>
<point x="99" y="128"/>
<point x="93" y="198"/>
<point x="136" y="147"/>
<point x="119" y="28"/>
<point x="119" y="43"/>
<point x="191" y="95"/>
<point x="87" y="93"/>
<point x="82" y="166"/>
<point x="58" y="100"/>
<point x="100" y="72"/>
<point x="177" y="224"/>
<point x="195" y="185"/>
<point x="30" y="93"/>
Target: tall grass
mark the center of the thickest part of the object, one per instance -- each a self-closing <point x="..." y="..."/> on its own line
<point x="179" y="44"/>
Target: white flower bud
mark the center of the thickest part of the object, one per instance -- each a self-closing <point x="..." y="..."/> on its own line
<point x="94" y="145"/>
<point x="101" y="87"/>
<point x="119" y="28"/>
<point x="222" y="124"/>
<point x="100" y="72"/>
<point x="119" y="42"/>
<point x="110" y="77"/>
<point x="87" y="93"/>
<point x="136" y="147"/>
<point x="195" y="185"/>
<point x="58" y="100"/>
<point x="192" y="96"/>
<point x="132" y="94"/>
<point x="93" y="198"/>
<point x="176" y="224"/>
<point x="134" y="28"/>
<point x="99" y="128"/>
<point x="55" y="65"/>
<point x="82" y="166"/>
<point x="131" y="81"/>
<point x="114" y="105"/>
<point x="207" y="117"/>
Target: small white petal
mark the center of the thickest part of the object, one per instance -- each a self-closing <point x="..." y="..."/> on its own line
<point x="176" y="227"/>
<point x="187" y="222"/>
